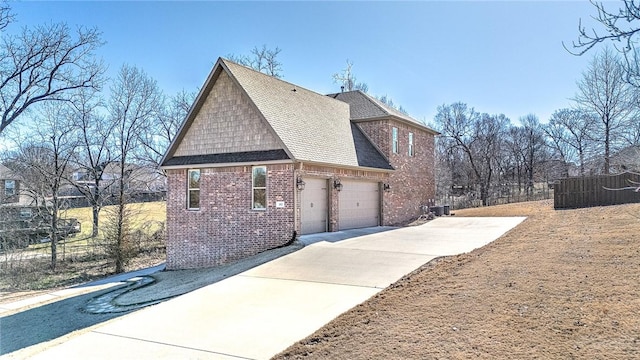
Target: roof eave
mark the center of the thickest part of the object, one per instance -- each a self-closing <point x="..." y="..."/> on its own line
<point x="233" y="164"/>
<point x="351" y="167"/>
<point x="397" y="118"/>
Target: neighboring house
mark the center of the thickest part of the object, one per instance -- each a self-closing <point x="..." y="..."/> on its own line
<point x="12" y="189"/>
<point x="143" y="183"/>
<point x="259" y="161"/>
<point x="140" y="178"/>
<point x="627" y="159"/>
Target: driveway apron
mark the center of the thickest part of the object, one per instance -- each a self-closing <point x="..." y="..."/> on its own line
<point x="260" y="312"/>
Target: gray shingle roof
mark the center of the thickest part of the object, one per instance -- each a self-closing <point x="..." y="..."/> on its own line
<point x="364" y="106"/>
<point x="368" y="155"/>
<point x="313" y="127"/>
<point x="8" y="174"/>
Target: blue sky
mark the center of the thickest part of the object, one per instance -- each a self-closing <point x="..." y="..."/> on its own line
<point x="499" y="57"/>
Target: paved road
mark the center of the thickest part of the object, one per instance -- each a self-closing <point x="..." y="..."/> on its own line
<point x="258" y="313"/>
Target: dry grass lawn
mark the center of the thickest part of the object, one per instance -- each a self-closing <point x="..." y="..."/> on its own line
<point x="80" y="259"/>
<point x="562" y="285"/>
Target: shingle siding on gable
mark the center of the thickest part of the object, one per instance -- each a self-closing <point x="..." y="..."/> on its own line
<point x="226" y="123"/>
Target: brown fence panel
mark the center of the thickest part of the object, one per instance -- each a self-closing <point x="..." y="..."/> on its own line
<point x="580" y="192"/>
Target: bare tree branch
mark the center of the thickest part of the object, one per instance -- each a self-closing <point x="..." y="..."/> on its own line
<point x="347" y="79"/>
<point x="45" y="63"/>
<point x="603" y="91"/>
<point x="6" y="17"/>
<point x="621" y="27"/>
<point x="262" y="59"/>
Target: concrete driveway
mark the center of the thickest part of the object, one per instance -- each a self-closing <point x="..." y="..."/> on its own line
<point x="259" y="313"/>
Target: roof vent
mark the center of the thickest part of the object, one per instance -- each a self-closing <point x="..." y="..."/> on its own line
<point x="342" y="88"/>
<point x="294" y="90"/>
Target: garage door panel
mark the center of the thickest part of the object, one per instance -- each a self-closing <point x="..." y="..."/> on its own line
<point x="359" y="205"/>
<point x="314" y="206"/>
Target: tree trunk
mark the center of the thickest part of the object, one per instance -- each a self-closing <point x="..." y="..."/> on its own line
<point x="96" y="215"/>
<point x="53" y="233"/>
<point x="120" y="250"/>
<point x="484" y="196"/>
<point x="607" y="150"/>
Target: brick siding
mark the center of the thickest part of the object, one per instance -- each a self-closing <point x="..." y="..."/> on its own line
<point x="225" y="228"/>
<point x="413" y="181"/>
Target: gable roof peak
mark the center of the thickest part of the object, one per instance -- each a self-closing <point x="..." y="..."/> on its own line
<point x="310" y="126"/>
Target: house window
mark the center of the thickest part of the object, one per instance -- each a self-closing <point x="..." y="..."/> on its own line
<point x="193" y="189"/>
<point x="259" y="188"/>
<point x="25" y="213"/>
<point x="9" y="187"/>
<point x="394" y="134"/>
<point x="411" y="144"/>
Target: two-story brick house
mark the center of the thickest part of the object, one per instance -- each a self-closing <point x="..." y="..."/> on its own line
<point x="259" y="161"/>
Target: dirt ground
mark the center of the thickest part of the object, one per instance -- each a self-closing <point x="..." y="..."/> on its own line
<point x="562" y="285"/>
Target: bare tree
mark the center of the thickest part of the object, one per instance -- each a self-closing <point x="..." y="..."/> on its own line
<point x="389" y="102"/>
<point x="261" y="59"/>
<point x="135" y="100"/>
<point x="478" y="136"/>
<point x="534" y="145"/>
<point x="92" y="153"/>
<point x="165" y="125"/>
<point x="43" y="158"/>
<point x="569" y="133"/>
<point x="514" y="154"/>
<point x="44" y="63"/>
<point x="604" y="92"/>
<point x="347" y="79"/>
<point x="622" y="28"/>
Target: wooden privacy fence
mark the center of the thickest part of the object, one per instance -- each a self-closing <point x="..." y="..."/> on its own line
<point x="580" y="192"/>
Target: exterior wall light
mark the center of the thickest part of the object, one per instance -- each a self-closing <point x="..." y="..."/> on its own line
<point x="386" y="187"/>
<point x="300" y="184"/>
<point x="337" y="184"/>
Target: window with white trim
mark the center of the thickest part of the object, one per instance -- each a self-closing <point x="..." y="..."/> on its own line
<point x="193" y="189"/>
<point x="9" y="187"/>
<point x="411" y="150"/>
<point x="259" y="187"/>
<point x="394" y="137"/>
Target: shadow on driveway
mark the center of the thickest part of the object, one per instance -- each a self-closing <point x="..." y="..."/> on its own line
<point x="333" y="237"/>
<point x="49" y="321"/>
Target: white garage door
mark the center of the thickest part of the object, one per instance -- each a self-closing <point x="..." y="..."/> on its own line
<point x="313" y="203"/>
<point x="359" y="205"/>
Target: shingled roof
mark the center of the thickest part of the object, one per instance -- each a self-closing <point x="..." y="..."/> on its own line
<point x="312" y="127"/>
<point x="8" y="174"/>
<point x="365" y="107"/>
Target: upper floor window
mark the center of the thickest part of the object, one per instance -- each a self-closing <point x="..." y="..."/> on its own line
<point x="394" y="136"/>
<point x="9" y="187"/>
<point x="259" y="188"/>
<point x="411" y="149"/>
<point x="193" y="189"/>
